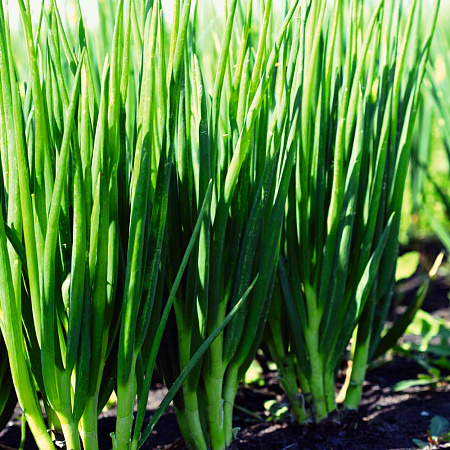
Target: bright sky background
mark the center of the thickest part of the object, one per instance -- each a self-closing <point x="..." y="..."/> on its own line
<point x="90" y="10"/>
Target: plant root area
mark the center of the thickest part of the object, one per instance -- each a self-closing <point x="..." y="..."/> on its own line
<point x="386" y="420"/>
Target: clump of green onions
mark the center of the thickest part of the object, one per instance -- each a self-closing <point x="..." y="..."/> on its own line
<point x="359" y="96"/>
<point x="178" y="185"/>
<point x="436" y="109"/>
<point x="244" y="141"/>
<point x="84" y="194"/>
<point x="427" y="175"/>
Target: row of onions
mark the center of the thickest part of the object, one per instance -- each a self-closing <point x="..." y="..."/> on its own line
<point x="171" y="204"/>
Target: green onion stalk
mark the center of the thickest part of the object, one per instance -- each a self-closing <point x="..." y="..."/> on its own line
<point x="245" y="143"/>
<point x="359" y="99"/>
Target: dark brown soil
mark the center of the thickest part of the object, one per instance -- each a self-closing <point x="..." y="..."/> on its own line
<point x="387" y="420"/>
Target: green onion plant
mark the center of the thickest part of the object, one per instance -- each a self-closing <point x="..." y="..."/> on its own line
<point x="428" y="173"/>
<point x="438" y="107"/>
<point x="427" y="176"/>
<point x="84" y="197"/>
<point x="359" y="91"/>
<point x="429" y="169"/>
<point x="243" y="137"/>
<point x="164" y="190"/>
